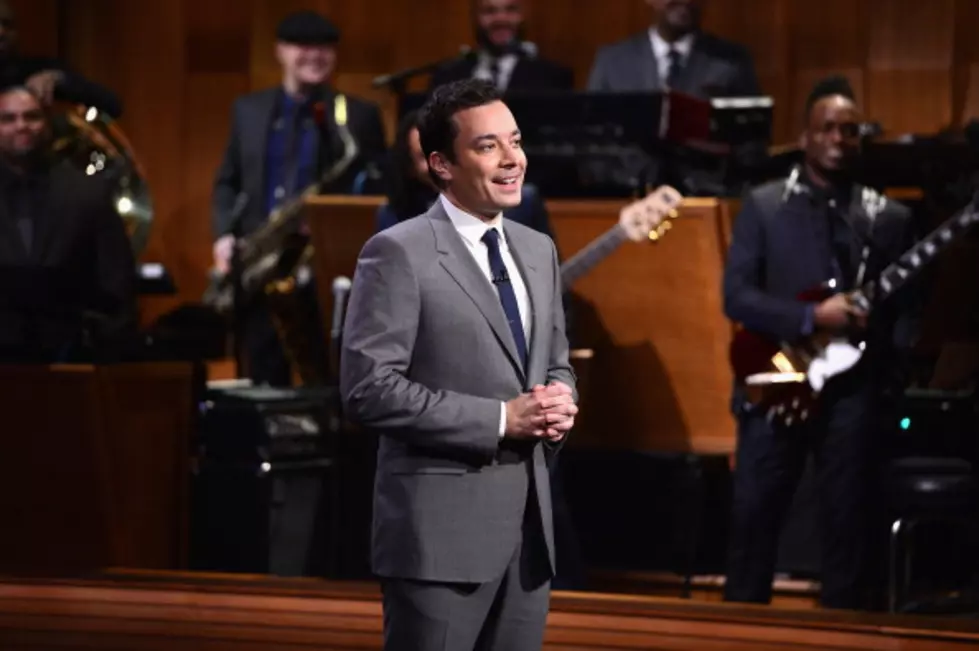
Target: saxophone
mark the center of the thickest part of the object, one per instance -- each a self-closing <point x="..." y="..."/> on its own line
<point x="275" y="262"/>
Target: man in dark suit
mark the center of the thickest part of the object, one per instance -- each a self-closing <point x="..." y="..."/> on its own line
<point x="67" y="273"/>
<point x="503" y="57"/>
<point x="282" y="140"/>
<point x="791" y="236"/>
<point x="674" y="53"/>
<point x="48" y="78"/>
<point x="454" y="352"/>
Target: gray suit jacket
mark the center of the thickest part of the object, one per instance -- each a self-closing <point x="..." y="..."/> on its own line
<point x="427" y="359"/>
<point x="715" y="68"/>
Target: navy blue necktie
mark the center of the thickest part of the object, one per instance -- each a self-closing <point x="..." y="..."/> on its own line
<point x="674" y="69"/>
<point x="508" y="299"/>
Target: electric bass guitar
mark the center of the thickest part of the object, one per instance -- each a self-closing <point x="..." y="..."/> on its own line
<point x="645" y="219"/>
<point x="787" y="378"/>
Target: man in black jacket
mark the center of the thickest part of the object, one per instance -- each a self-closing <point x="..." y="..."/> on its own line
<point x="67" y="273"/>
<point x="48" y="78"/>
<point x="503" y="56"/>
<point x="791" y="236"/>
<point x="282" y="140"/>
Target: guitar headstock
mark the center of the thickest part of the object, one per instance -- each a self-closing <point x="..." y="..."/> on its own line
<point x="649" y="217"/>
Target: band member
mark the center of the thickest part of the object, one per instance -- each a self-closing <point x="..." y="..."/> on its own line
<point x="67" y="273"/>
<point x="47" y="78"/>
<point x="282" y="139"/>
<point x="790" y="236"/>
<point x="455" y="353"/>
<point x="675" y="53"/>
<point x="411" y="190"/>
<point x="503" y="56"/>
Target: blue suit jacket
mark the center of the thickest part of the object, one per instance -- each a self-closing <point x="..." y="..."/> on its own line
<point x="531" y="213"/>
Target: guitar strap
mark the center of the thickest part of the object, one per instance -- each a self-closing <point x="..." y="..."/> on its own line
<point x="868" y="202"/>
<point x="871" y="204"/>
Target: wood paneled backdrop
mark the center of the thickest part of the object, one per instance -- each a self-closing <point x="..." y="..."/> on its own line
<point x="179" y="63"/>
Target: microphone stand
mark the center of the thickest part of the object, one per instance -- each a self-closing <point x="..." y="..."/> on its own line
<point x="397" y="81"/>
<point x="234" y="270"/>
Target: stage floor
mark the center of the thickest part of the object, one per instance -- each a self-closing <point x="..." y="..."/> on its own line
<point x="137" y="611"/>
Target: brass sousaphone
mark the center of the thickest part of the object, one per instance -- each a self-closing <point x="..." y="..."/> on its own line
<point x="94" y="143"/>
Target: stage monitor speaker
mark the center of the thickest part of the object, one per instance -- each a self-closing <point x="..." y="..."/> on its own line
<point x="263" y="518"/>
<point x="264" y="495"/>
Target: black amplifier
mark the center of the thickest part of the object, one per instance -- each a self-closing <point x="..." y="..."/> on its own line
<point x="266" y="423"/>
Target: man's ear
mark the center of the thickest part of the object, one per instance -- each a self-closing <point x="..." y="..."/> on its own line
<point x="803" y="140"/>
<point x="440" y="165"/>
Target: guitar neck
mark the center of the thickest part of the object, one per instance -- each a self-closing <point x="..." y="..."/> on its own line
<point x="918" y="256"/>
<point x="597" y="250"/>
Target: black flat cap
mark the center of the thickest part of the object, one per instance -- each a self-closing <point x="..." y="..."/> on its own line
<point x="307" y="28"/>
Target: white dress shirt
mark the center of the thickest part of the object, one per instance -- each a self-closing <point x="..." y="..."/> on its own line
<point x="661" y="50"/>
<point x="505" y="63"/>
<point x="472" y="229"/>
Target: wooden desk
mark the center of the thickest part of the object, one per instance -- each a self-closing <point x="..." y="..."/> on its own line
<point x="652" y="313"/>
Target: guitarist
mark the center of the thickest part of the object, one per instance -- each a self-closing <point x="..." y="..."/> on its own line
<point x="792" y="235"/>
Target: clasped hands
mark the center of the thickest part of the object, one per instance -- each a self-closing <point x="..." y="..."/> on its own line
<point x="542" y="413"/>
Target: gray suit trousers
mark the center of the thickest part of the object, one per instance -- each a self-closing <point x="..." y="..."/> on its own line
<point x="506" y="614"/>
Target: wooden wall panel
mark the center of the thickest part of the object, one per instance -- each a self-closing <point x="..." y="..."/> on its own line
<point x="178" y="66"/>
<point x="37" y="24"/>
<point x="908" y="82"/>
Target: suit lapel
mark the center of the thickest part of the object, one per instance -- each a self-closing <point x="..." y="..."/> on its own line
<point x="323" y="133"/>
<point x="695" y="69"/>
<point x="256" y="137"/>
<point x="458" y="262"/>
<point x="522" y="75"/>
<point x="530" y="271"/>
<point x="46" y="217"/>
<point x="648" y="68"/>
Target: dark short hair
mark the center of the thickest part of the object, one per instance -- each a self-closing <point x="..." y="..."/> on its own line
<point x="827" y="87"/>
<point x="437" y="130"/>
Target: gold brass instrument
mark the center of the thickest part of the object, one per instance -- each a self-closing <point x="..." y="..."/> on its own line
<point x="274" y="261"/>
<point x="261" y="255"/>
<point x="94" y="143"/>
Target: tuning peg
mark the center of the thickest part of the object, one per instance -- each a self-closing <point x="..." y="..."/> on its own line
<point x="654" y="235"/>
<point x="665" y="226"/>
<point x="674" y="213"/>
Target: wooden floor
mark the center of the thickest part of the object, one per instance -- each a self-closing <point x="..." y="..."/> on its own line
<point x="172" y="612"/>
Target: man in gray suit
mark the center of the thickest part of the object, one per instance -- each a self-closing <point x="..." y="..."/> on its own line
<point x="674" y="53"/>
<point x="454" y="353"/>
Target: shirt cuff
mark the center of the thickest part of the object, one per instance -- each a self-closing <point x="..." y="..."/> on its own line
<point x="809" y="320"/>
<point x="502" y="419"/>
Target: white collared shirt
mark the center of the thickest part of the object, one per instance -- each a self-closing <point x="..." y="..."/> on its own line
<point x="661" y="51"/>
<point x="472" y="229"/>
<point x="505" y="63"/>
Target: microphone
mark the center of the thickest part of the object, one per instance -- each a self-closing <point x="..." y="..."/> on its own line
<point x="527" y="49"/>
<point x="341" y="287"/>
<point x="238" y="211"/>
